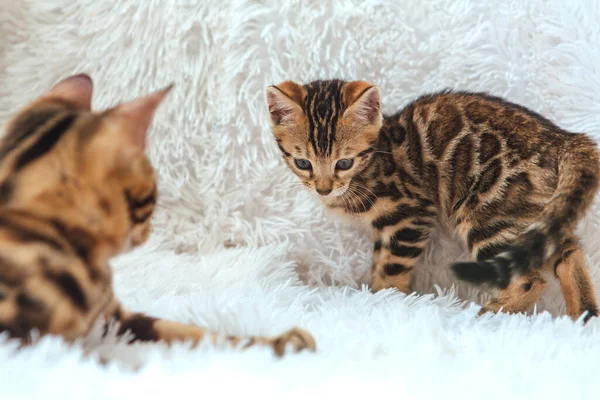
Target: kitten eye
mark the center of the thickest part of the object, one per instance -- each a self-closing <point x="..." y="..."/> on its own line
<point x="344" y="164"/>
<point x="302" y="163"/>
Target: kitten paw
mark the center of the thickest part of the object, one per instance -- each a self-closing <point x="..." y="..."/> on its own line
<point x="297" y="338"/>
<point x="491" y="306"/>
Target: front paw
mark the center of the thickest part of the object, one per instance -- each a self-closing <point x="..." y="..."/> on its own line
<point x="492" y="306"/>
<point x="297" y="338"/>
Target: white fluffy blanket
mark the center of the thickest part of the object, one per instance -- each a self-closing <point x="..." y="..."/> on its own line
<point x="222" y="184"/>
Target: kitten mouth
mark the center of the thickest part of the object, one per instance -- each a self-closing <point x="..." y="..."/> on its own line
<point x="333" y="194"/>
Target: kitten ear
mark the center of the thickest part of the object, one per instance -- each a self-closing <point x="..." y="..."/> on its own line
<point x="285" y="102"/>
<point x="362" y="102"/>
<point x="76" y="89"/>
<point x="140" y="113"/>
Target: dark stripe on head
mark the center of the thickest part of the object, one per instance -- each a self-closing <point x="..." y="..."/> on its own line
<point x="311" y="123"/>
<point x="285" y="153"/>
<point x="325" y="111"/>
<point x="25" y="126"/>
<point x="395" y="269"/>
<point x="141" y="327"/>
<point x="337" y="100"/>
<point x="45" y="142"/>
<point x="323" y="108"/>
<point x="70" y="287"/>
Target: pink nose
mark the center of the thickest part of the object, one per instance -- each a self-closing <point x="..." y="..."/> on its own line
<point x="323" y="192"/>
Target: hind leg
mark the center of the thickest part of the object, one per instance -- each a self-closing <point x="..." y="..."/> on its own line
<point x="521" y="294"/>
<point x="575" y="282"/>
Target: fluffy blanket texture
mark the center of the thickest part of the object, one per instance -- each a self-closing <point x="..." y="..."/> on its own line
<point x="238" y="247"/>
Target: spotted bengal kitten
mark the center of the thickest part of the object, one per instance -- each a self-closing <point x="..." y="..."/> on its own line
<point x="76" y="189"/>
<point x="507" y="181"/>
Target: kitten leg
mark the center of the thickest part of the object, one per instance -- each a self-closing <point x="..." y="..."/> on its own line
<point x="146" y="328"/>
<point x="522" y="293"/>
<point x="575" y="282"/>
<point x="397" y="252"/>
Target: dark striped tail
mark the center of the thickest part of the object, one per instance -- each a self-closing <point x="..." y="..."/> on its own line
<point x="499" y="270"/>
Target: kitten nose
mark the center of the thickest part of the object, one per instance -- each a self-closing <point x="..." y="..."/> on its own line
<point x="323" y="192"/>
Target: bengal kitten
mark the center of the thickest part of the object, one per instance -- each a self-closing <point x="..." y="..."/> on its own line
<point x="507" y="181"/>
<point x="76" y="189"/>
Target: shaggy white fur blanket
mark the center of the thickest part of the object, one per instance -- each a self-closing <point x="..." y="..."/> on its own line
<point x="222" y="182"/>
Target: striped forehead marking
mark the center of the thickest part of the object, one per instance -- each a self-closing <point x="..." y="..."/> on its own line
<point x="323" y="108"/>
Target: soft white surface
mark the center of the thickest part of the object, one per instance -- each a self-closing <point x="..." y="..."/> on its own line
<point x="221" y="180"/>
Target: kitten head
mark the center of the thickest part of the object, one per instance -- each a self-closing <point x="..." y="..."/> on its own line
<point x="325" y="130"/>
<point x="58" y="154"/>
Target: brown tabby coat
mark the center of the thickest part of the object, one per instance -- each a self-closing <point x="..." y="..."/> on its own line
<point x="507" y="181"/>
<point x="75" y="190"/>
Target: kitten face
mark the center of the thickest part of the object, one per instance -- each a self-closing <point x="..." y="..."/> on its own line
<point x="325" y="130"/>
<point x="97" y="158"/>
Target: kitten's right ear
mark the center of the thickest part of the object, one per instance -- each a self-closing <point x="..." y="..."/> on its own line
<point x="140" y="113"/>
<point x="363" y="102"/>
<point x="285" y="102"/>
<point x="76" y="89"/>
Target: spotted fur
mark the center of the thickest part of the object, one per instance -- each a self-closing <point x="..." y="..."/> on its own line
<point x="77" y="189"/>
<point x="506" y="180"/>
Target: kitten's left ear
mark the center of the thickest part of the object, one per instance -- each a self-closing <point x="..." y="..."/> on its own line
<point x="362" y="102"/>
<point x="140" y="112"/>
<point x="76" y="89"/>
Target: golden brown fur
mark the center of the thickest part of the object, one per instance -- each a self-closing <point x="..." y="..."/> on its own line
<point x="76" y="189"/>
<point x="509" y="182"/>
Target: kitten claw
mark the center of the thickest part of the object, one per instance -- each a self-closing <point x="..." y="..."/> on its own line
<point x="298" y="338"/>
